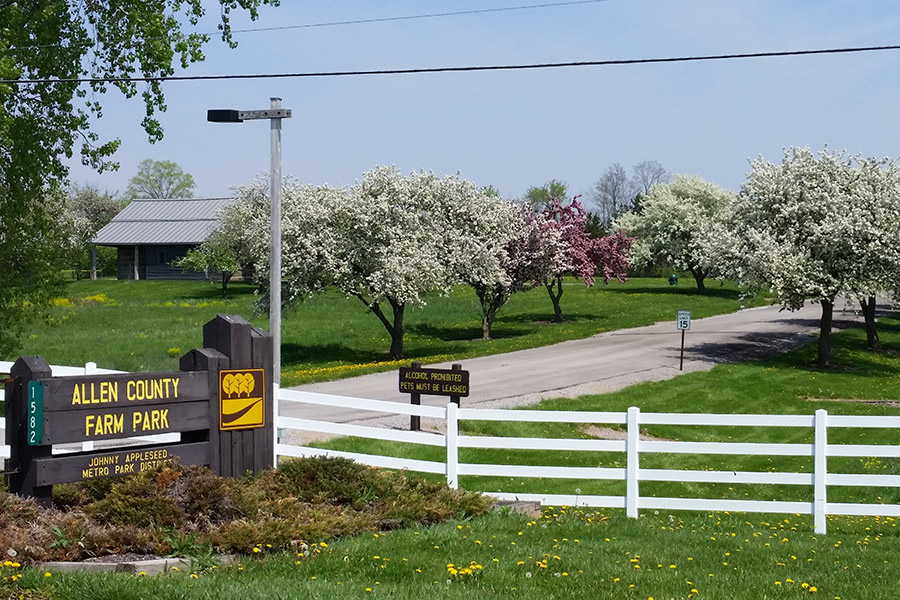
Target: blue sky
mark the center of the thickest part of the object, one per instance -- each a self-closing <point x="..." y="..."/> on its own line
<point x="516" y="129"/>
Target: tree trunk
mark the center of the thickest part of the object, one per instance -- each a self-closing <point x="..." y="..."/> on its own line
<point x="699" y="276"/>
<point x="554" y="297"/>
<point x="225" y="278"/>
<point x="492" y="300"/>
<point x="397" y="332"/>
<point x="868" y="308"/>
<point x="824" y="356"/>
<point x="395" y="329"/>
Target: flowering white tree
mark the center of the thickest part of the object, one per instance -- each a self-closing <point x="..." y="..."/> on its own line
<point x="674" y="220"/>
<point x="387" y="241"/>
<point x="878" y="244"/>
<point x="813" y="228"/>
<point x="400" y="237"/>
<point x="307" y="239"/>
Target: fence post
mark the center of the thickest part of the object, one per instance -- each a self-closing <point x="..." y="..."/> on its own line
<point x="631" y="462"/>
<point x="455" y="399"/>
<point x="452" y="446"/>
<point x="21" y="475"/>
<point x="415" y="422"/>
<point x="90" y="368"/>
<point x="820" y="460"/>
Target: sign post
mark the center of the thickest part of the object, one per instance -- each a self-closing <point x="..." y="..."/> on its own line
<point x="683" y="323"/>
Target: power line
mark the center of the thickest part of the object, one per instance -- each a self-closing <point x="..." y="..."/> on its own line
<point x="368" y="21"/>
<point x="424" y="16"/>
<point x="463" y="69"/>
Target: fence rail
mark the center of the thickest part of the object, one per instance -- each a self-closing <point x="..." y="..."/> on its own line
<point x="632" y="447"/>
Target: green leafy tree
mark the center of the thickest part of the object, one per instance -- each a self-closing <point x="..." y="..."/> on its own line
<point x="54" y="43"/>
<point x="541" y="197"/>
<point x="159" y="179"/>
<point x="31" y="259"/>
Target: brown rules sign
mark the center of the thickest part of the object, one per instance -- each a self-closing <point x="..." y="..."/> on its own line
<point x="437" y="382"/>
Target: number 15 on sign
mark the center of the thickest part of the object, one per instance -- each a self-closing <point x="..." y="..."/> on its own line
<point x="683" y="323"/>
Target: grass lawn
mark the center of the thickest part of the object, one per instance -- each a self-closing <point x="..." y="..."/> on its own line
<point x="566" y="553"/>
<point x="861" y="382"/>
<point x="148" y="325"/>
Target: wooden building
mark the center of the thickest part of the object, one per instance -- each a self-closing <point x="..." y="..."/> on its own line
<point x="150" y="234"/>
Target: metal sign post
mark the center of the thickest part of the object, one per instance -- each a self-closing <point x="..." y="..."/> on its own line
<point x="275" y="114"/>
<point x="683" y="323"/>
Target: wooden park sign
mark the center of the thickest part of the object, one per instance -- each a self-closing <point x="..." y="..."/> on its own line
<point x="415" y="381"/>
<point x="218" y="402"/>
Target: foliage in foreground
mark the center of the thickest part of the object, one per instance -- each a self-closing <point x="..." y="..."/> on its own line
<point x="176" y="510"/>
<point x="42" y="125"/>
<point x="565" y="553"/>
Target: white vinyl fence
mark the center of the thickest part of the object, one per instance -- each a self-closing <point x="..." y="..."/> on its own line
<point x="59" y="371"/>
<point x="632" y="448"/>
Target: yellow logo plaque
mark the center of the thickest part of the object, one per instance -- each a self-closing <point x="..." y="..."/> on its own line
<point x="242" y="399"/>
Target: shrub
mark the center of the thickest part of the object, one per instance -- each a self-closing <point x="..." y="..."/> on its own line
<point x="137" y="501"/>
<point x="172" y="507"/>
<point x="331" y="480"/>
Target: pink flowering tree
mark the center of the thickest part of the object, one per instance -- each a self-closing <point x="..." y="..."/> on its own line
<point x="534" y="249"/>
<point x="583" y="256"/>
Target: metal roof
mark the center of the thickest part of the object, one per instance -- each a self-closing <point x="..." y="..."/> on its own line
<point x="184" y="221"/>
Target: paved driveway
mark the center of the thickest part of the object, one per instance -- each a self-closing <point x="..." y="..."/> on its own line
<point x="602" y="363"/>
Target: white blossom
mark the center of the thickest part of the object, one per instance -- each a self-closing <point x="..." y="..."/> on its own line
<point x="673" y="223"/>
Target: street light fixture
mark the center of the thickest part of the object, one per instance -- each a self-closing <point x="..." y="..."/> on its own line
<point x="275" y="113"/>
